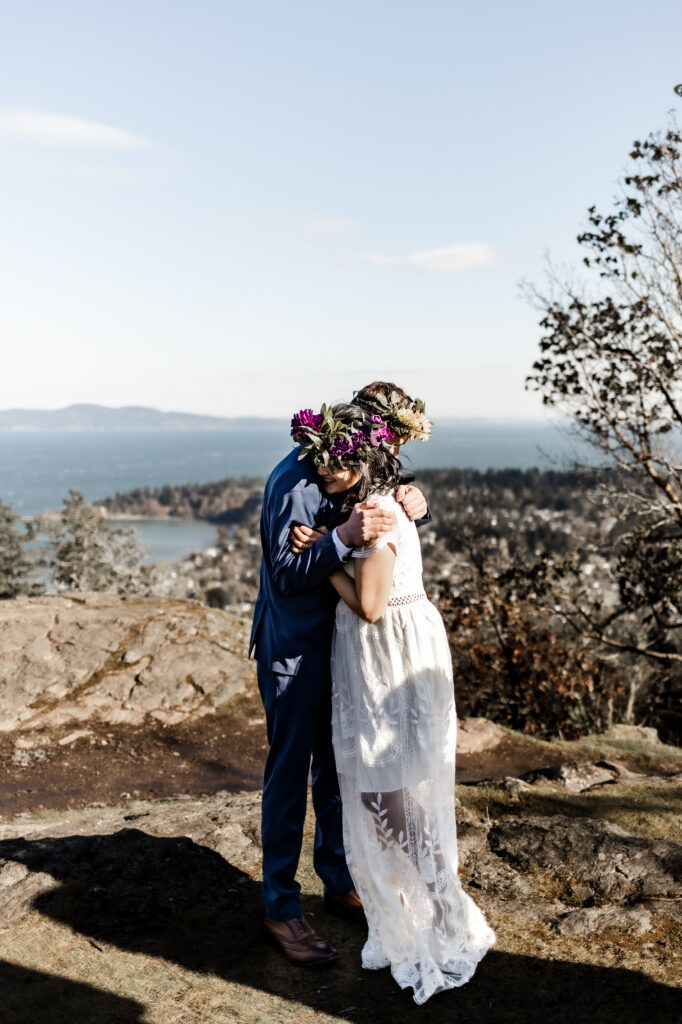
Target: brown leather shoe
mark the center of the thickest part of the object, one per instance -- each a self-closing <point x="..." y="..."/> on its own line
<point x="347" y="904"/>
<point x="299" y="942"/>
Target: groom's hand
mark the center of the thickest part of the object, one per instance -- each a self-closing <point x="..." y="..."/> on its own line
<point x="365" y="524"/>
<point x="303" y="537"/>
<point x="413" y="501"/>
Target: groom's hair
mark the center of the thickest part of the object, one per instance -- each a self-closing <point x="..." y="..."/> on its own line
<point x="380" y="387"/>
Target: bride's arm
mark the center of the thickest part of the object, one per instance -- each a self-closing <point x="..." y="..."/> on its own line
<point x="373" y="579"/>
<point x="345" y="588"/>
<point x="367" y="595"/>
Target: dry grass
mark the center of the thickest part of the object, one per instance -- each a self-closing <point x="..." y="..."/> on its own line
<point x="653" y="810"/>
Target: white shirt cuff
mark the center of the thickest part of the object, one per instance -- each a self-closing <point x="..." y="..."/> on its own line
<point x="341" y="549"/>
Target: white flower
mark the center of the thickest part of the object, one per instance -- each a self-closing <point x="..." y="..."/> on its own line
<point x="419" y="426"/>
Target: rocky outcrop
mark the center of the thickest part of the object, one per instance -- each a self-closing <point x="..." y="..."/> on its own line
<point x="477" y="734"/>
<point x="99" y="656"/>
<point x="612" y="864"/>
<point x="576" y="776"/>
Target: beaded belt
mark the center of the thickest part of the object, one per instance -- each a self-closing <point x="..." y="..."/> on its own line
<point x="406" y="598"/>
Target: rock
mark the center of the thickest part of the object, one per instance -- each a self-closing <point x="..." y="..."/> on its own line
<point x="97" y="656"/>
<point x="28" y="741"/>
<point x="498" y="878"/>
<point x="232" y="840"/>
<point x="12" y="873"/>
<point x="27" y="758"/>
<point x="625" y="774"/>
<point x="65" y="741"/>
<point x="577" y="776"/>
<point x="590" y="920"/>
<point x="477" y="734"/>
<point x="617" y="865"/>
<point x="471" y="836"/>
<point x="515" y="787"/>
<point x="466" y="818"/>
<point x="582" y="893"/>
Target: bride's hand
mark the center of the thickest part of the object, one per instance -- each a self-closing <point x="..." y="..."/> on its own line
<point x="303" y="537"/>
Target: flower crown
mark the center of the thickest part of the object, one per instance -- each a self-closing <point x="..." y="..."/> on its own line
<point x="406" y="417"/>
<point x="332" y="443"/>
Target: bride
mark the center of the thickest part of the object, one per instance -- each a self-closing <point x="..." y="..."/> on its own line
<point x="394" y="722"/>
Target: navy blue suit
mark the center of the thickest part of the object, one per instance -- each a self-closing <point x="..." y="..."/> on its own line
<point x="292" y="631"/>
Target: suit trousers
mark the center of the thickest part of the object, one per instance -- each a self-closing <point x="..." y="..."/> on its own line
<point x="298" y="716"/>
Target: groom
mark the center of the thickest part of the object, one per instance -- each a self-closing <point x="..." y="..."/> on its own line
<point x="292" y="631"/>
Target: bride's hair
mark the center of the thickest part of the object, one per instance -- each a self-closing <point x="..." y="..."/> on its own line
<point x="379" y="476"/>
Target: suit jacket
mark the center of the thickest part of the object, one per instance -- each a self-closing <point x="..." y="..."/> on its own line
<point x="294" y="614"/>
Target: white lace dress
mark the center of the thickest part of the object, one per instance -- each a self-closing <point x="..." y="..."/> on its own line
<point x="394" y="731"/>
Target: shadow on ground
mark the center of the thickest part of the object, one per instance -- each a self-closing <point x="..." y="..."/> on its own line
<point x="174" y="899"/>
<point x="37" y="997"/>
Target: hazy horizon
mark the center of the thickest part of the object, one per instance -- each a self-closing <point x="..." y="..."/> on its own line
<point x="544" y="418"/>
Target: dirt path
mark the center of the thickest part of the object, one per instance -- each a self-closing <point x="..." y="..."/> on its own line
<point x="116" y="762"/>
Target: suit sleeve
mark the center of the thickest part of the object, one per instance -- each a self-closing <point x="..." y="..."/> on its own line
<point x="295" y="573"/>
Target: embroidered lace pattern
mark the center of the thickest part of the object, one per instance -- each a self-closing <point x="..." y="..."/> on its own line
<point x="394" y="729"/>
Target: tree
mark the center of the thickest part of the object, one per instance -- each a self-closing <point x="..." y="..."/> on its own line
<point x="611" y="358"/>
<point x="15" y="563"/>
<point x="87" y="553"/>
<point x="512" y="661"/>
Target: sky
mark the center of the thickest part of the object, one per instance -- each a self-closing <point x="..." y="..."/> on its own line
<point x="236" y="208"/>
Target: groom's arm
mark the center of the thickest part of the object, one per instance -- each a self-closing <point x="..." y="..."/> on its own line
<point x="295" y="572"/>
<point x="295" y="569"/>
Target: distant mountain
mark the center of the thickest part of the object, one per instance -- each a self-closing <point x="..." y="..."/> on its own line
<point x="126" y="417"/>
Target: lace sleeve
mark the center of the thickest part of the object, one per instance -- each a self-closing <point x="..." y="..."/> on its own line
<point x="386" y="501"/>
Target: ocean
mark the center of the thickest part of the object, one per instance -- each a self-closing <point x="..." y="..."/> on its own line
<point x="38" y="468"/>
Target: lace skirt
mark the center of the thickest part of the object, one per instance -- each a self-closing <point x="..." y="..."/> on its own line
<point x="394" y="733"/>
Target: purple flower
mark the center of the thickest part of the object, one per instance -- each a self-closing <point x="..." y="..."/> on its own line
<point x="306" y="419"/>
<point x="341" y="447"/>
<point x="379" y="433"/>
<point x="349" y="446"/>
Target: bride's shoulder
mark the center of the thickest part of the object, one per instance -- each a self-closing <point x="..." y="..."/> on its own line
<point x="386" y="501"/>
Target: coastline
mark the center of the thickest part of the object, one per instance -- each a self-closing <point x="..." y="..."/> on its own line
<point x="52" y="515"/>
